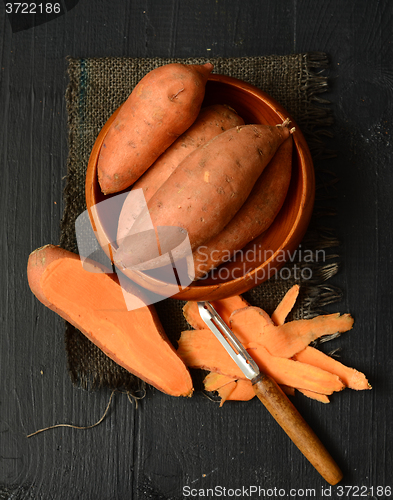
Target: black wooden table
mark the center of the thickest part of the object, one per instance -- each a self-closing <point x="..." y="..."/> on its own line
<point x="168" y="447"/>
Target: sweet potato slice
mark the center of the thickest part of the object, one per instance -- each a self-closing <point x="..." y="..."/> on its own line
<point x="241" y="391"/>
<point x="249" y="323"/>
<point x="213" y="381"/>
<point x="226" y="391"/>
<point x="322" y="398"/>
<point x="94" y="303"/>
<point x="287" y="339"/>
<point x="352" y="378"/>
<point x="285" y="306"/>
<point x="201" y="349"/>
<point x="224" y="307"/>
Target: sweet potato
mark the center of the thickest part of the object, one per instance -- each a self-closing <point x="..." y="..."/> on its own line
<point x="201" y="349"/>
<point x="352" y="378"/>
<point x="322" y="398"/>
<point x="211" y="121"/>
<point x="288" y="339"/>
<point x="162" y="106"/>
<point x="242" y="390"/>
<point x="269" y="343"/>
<point x="204" y="192"/>
<point x="285" y="306"/>
<point x="226" y="390"/>
<point x="224" y="308"/>
<point x="253" y="218"/>
<point x="94" y="303"/>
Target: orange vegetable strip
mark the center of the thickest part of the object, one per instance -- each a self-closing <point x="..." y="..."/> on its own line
<point x="351" y="377"/>
<point x="201" y="349"/>
<point x="242" y="392"/>
<point x="226" y="391"/>
<point x="213" y="381"/>
<point x="314" y="395"/>
<point x="249" y="323"/>
<point x="224" y="307"/>
<point x="295" y="374"/>
<point x="287" y="339"/>
<point x="285" y="306"/>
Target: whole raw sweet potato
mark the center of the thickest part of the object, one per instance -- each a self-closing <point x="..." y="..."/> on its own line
<point x="253" y="218"/>
<point x="161" y="107"/>
<point x="204" y="192"/>
<point x="211" y="121"/>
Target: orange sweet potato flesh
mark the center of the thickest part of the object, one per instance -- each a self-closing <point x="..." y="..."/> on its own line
<point x="224" y="308"/>
<point x="94" y="303"/>
<point x="205" y="191"/>
<point x="211" y="121"/>
<point x="268" y="342"/>
<point x="254" y="217"/>
<point x="286" y="305"/>
<point x="201" y="349"/>
<point x="162" y="106"/>
<point x="252" y="328"/>
<point x="351" y="377"/>
<point x="214" y="381"/>
<point x="322" y="398"/>
<point x="226" y="391"/>
<point x="242" y="390"/>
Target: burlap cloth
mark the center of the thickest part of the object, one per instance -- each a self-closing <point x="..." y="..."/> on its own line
<point x="97" y="86"/>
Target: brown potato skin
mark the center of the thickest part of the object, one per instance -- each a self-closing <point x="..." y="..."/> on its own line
<point x="161" y="107"/>
<point x="254" y="217"/>
<point x="207" y="189"/>
<point x="211" y="121"/>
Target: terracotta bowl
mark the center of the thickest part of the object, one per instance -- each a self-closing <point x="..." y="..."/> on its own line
<point x="266" y="255"/>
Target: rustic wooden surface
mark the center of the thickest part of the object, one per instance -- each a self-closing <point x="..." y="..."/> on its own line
<point x="168" y="443"/>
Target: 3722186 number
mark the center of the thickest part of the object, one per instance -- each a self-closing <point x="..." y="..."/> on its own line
<point x="364" y="491"/>
<point x="32" y="8"/>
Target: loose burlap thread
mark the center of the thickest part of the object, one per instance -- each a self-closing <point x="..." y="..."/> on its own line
<point x="97" y="86"/>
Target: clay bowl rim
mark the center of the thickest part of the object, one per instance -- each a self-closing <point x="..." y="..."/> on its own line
<point x="242" y="283"/>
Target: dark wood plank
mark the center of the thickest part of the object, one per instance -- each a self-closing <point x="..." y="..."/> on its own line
<point x="170" y="443"/>
<point x="358" y="41"/>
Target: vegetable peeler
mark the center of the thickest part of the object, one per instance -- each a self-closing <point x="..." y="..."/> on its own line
<point x="272" y="396"/>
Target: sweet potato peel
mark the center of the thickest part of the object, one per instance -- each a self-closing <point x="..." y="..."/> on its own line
<point x="201" y="349"/>
<point x="281" y="350"/>
<point x="285" y="306"/>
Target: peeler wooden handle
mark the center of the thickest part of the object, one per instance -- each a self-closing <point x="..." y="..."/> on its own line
<point x="287" y="416"/>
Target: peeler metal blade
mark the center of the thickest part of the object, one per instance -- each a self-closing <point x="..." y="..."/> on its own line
<point x="228" y="340"/>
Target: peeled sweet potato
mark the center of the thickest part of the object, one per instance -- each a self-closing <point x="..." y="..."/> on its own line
<point x="161" y="107"/>
<point x="253" y="218"/>
<point x="92" y="300"/>
<point x="211" y="121"/>
<point x="205" y="191"/>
